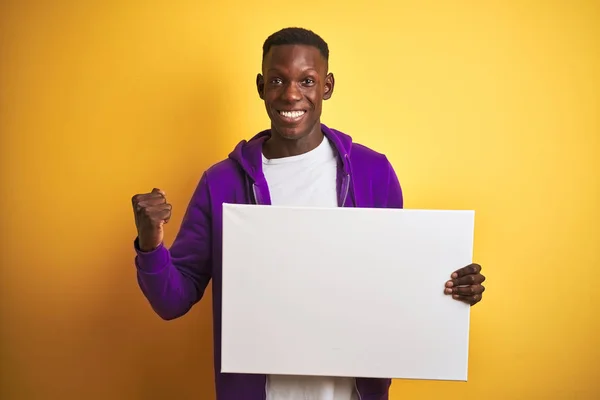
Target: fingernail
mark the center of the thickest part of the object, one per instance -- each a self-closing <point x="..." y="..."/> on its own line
<point x="455" y="296"/>
<point x="455" y="275"/>
<point x="449" y="284"/>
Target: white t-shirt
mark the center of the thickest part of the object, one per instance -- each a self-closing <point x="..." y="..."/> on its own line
<point x="308" y="180"/>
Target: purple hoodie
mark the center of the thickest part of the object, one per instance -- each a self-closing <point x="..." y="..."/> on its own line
<point x="174" y="280"/>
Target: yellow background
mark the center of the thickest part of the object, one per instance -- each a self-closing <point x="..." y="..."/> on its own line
<point x="492" y="106"/>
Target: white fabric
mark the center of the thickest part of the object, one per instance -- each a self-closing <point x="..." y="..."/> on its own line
<point x="308" y="179"/>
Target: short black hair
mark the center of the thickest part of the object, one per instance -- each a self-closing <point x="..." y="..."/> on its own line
<point x="296" y="36"/>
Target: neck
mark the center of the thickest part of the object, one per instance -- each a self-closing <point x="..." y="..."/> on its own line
<point x="279" y="147"/>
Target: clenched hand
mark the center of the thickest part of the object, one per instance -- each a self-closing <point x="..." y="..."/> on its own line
<point x="151" y="212"/>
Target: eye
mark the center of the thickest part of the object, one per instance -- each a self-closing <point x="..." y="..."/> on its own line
<point x="309" y="81"/>
<point x="276" y="81"/>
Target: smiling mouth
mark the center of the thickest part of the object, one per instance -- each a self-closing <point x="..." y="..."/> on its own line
<point x="291" y="115"/>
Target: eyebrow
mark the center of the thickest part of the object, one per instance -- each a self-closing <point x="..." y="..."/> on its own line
<point x="306" y="70"/>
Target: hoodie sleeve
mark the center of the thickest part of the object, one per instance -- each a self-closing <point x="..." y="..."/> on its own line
<point x="395" y="197"/>
<point x="174" y="280"/>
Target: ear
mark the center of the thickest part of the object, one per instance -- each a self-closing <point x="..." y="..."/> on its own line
<point x="260" y="85"/>
<point x="329" y="83"/>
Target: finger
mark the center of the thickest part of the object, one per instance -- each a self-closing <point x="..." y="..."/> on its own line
<point x="151" y="202"/>
<point x="165" y="216"/>
<point x="161" y="211"/>
<point x="475" y="279"/>
<point x="159" y="191"/>
<point x="152" y="211"/>
<point x="466" y="290"/>
<point x="468" y="270"/>
<point x="142" y="197"/>
<point x="471" y="300"/>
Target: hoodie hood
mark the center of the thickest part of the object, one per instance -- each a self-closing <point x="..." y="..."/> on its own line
<point x="248" y="154"/>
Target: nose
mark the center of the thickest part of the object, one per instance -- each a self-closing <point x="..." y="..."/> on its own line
<point x="291" y="93"/>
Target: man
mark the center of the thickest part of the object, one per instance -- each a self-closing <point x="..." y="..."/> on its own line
<point x="298" y="161"/>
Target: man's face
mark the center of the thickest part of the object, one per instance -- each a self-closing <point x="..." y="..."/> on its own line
<point x="293" y="86"/>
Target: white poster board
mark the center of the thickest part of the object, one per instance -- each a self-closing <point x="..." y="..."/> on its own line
<point x="344" y="292"/>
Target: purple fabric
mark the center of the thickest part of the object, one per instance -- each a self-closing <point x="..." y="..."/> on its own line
<point x="174" y="280"/>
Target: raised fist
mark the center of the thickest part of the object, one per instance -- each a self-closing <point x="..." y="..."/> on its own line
<point x="151" y="212"/>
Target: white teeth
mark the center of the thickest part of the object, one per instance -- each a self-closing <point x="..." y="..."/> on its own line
<point x="292" y="114"/>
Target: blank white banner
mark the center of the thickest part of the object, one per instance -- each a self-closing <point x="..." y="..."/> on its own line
<point x="344" y="292"/>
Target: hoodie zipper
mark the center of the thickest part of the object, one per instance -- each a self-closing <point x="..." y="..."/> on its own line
<point x="255" y="192"/>
<point x="356" y="389"/>
<point x="346" y="182"/>
<point x="345" y="189"/>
